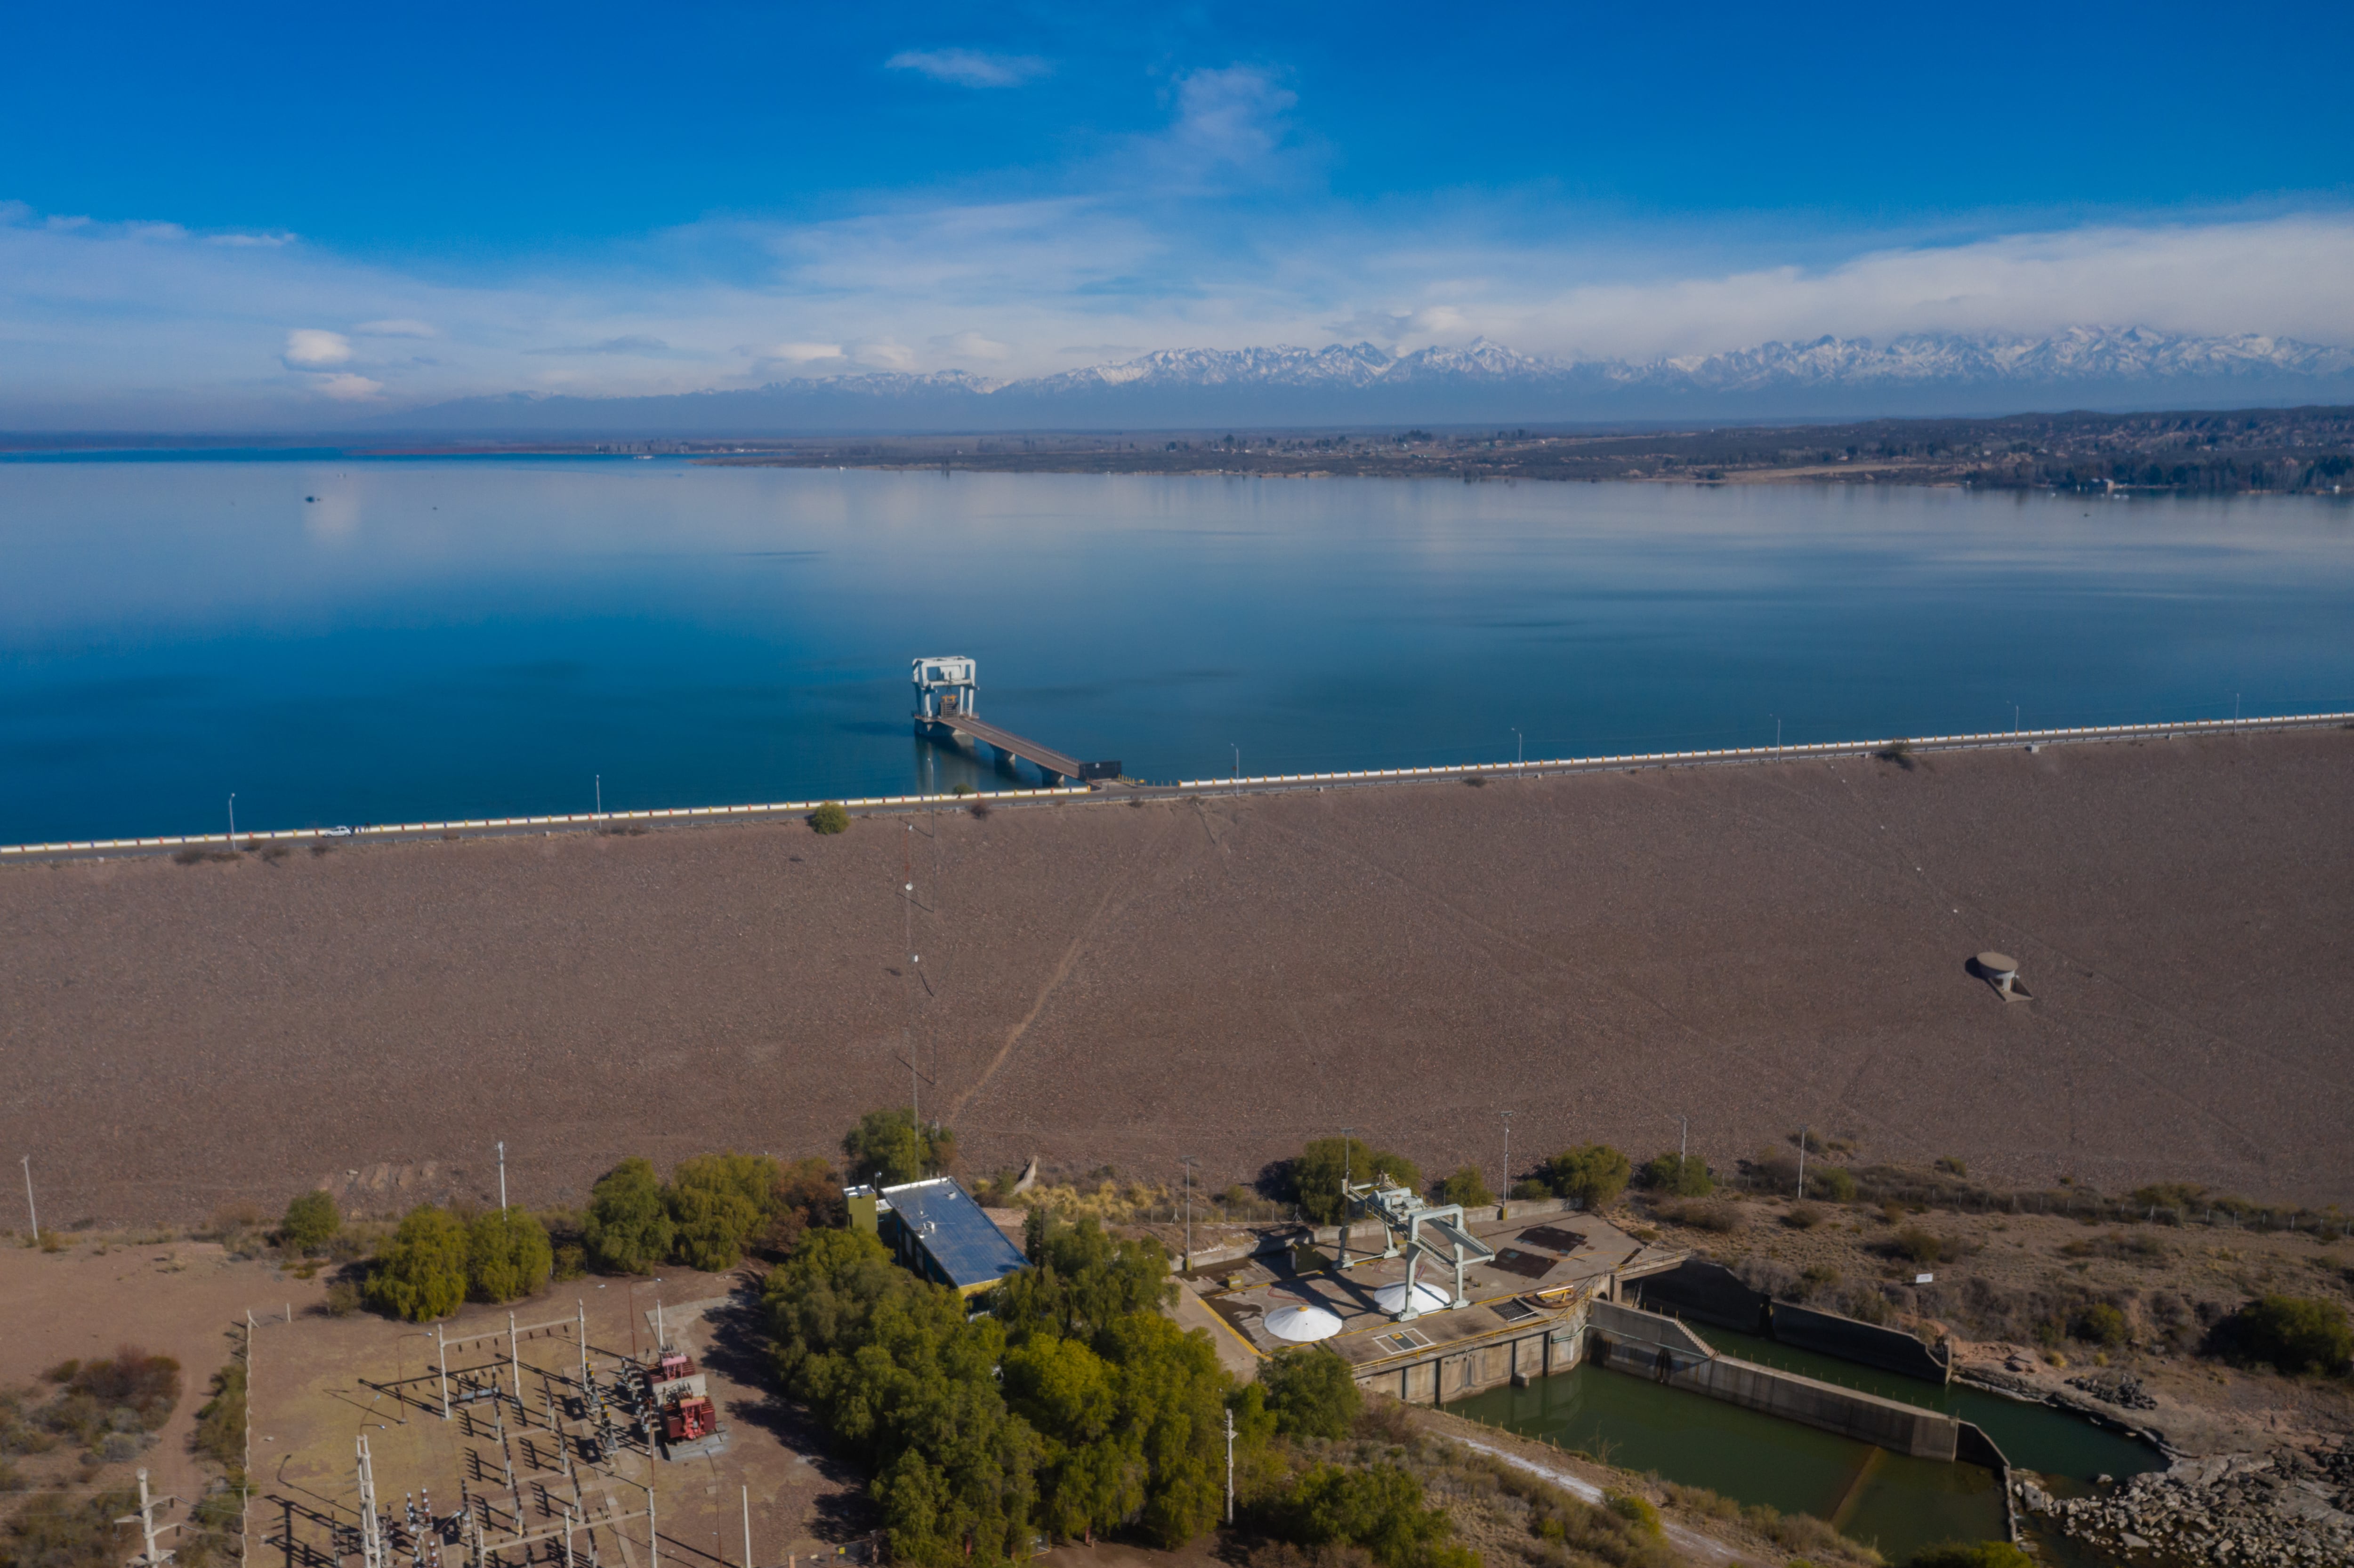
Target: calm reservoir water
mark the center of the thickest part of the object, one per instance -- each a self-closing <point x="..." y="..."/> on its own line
<point x="439" y="637"/>
<point x="1897" y="1504"/>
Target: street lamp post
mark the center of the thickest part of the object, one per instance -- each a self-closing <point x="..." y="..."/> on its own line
<point x="232" y="819"/>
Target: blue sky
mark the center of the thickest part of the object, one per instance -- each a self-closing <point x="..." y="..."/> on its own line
<point x="251" y="214"/>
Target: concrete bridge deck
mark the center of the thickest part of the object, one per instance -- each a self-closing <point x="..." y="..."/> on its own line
<point x="1055" y="764"/>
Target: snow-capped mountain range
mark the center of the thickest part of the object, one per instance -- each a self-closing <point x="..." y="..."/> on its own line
<point x="2099" y="367"/>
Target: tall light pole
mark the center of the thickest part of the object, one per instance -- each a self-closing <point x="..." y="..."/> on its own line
<point x="29" y="1201"/>
<point x="1347" y="1141"/>
<point x="1187" y="1161"/>
<point x="1230" y="1465"/>
<point x="1504" y="1192"/>
<point x="1238" y="766"/>
<point x="600" y="793"/>
<point x="232" y="819"/>
<point x="1804" y="1134"/>
<point x="502" y="1176"/>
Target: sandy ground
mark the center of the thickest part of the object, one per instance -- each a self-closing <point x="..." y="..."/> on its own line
<point x="1755" y="948"/>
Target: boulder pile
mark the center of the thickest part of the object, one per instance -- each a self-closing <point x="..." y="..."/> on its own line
<point x="2289" y="1508"/>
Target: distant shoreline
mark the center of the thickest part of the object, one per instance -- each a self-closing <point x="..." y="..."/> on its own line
<point x="2295" y="452"/>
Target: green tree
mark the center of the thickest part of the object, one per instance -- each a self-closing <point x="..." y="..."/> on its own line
<point x="887" y="1147"/>
<point x="1678" y="1176"/>
<point x="310" y="1222"/>
<point x="718" y="1203"/>
<point x="1380" y="1509"/>
<point x="421" y="1274"/>
<point x="808" y="1196"/>
<point x="628" y="1228"/>
<point x="1318" y="1171"/>
<point x="1309" y="1392"/>
<point x="2294" y="1333"/>
<point x="1591" y="1173"/>
<point x="1464" y="1187"/>
<point x="507" y="1256"/>
<point x="830" y="818"/>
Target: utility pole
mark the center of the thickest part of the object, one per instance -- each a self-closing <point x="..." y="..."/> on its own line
<point x="232" y="819"/>
<point x="1684" y="1142"/>
<point x="1187" y="1161"/>
<point x="601" y="794"/>
<point x="1804" y="1133"/>
<point x="29" y="1201"/>
<point x="1520" y="749"/>
<point x="1230" y="1469"/>
<point x="145" y="1520"/>
<point x="747" y="1527"/>
<point x="1238" y="767"/>
<point x="502" y="1176"/>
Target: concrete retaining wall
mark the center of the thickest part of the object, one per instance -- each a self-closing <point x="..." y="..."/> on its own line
<point x="1890" y="1349"/>
<point x="1706" y="1293"/>
<point x="1645" y="1344"/>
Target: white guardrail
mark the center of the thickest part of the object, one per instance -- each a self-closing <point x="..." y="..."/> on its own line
<point x="1228" y="786"/>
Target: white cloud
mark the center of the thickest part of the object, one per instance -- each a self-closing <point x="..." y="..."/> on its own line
<point x="1230" y="116"/>
<point x="628" y="342"/>
<point x="308" y="348"/>
<point x="347" y="389"/>
<point x="799" y="353"/>
<point x="248" y="240"/>
<point x="881" y="354"/>
<point x="399" y="326"/>
<point x="969" y="67"/>
<point x="970" y="345"/>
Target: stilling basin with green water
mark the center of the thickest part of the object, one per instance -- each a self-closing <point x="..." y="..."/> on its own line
<point x="1897" y="1504"/>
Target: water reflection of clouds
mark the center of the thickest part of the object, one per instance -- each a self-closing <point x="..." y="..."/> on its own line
<point x="334" y="516"/>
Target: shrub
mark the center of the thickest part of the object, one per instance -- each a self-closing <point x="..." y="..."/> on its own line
<point x="979" y="810"/>
<point x="1800" y="1217"/>
<point x="1978" y="1554"/>
<point x="628" y="1228"/>
<point x="421" y="1273"/>
<point x="1724" y="1218"/>
<point x="571" y="1262"/>
<point x="1528" y="1191"/>
<point x="1916" y="1246"/>
<point x="1952" y="1165"/>
<point x="1637" y="1511"/>
<point x="1464" y="1187"/>
<point x="830" y="818"/>
<point x="1832" y="1183"/>
<point x="507" y="1256"/>
<point x="127" y="1393"/>
<point x="719" y="1202"/>
<point x="2099" y="1323"/>
<point x="1591" y="1173"/>
<point x="53" y="1531"/>
<point x="887" y="1146"/>
<point x="311" y="1223"/>
<point x="342" y="1299"/>
<point x="1317" y="1174"/>
<point x="1677" y="1176"/>
<point x="1309" y="1392"/>
<point x="220" y="1421"/>
<point x="2293" y="1334"/>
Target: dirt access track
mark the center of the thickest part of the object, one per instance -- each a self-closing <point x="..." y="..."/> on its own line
<point x="1755" y="948"/>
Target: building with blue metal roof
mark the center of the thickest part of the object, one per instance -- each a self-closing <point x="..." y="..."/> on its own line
<point x="939" y="1231"/>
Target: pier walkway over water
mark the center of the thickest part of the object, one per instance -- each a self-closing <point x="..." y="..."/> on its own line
<point x="947" y="690"/>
